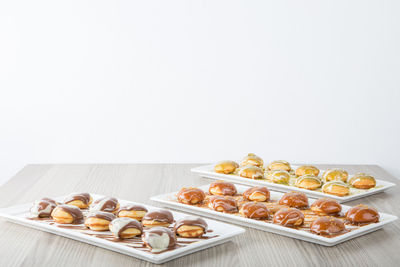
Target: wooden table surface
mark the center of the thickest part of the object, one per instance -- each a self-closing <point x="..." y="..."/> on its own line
<point x="22" y="246"/>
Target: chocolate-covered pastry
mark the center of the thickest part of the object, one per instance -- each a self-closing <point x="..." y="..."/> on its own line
<point x="362" y="181"/>
<point x="327" y="226"/>
<point x="99" y="220"/>
<point x="307" y="169"/>
<point x="335" y="175"/>
<point x="222" y="204"/>
<point x="294" y="199"/>
<point x="222" y="188"/>
<point x="66" y="214"/>
<point x="290" y="217"/>
<point x="159" y="239"/>
<point x="42" y="208"/>
<point x="279" y="177"/>
<point x="226" y="167"/>
<point x="191" y="226"/>
<point x="81" y="200"/>
<point x="336" y="188"/>
<point x="191" y="195"/>
<point x="125" y="227"/>
<point x="257" y="193"/>
<point x="158" y="218"/>
<point x="280" y="165"/>
<point x="326" y="206"/>
<point x="252" y="160"/>
<point x="251" y="172"/>
<point x="309" y="182"/>
<point x="254" y="210"/>
<point x="134" y="211"/>
<point x="362" y="214"/>
<point x="107" y="204"/>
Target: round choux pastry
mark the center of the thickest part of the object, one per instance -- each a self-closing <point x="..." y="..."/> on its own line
<point x="252" y="160"/>
<point x="308" y="181"/>
<point x="251" y="172"/>
<point x="191" y="227"/>
<point x="279" y="165"/>
<point x="254" y="210"/>
<point x="222" y="204"/>
<point x="222" y="188"/>
<point x="134" y="211"/>
<point x="67" y="214"/>
<point x="159" y="239"/>
<point x="99" y="220"/>
<point x="125" y="227"/>
<point x="257" y="193"/>
<point x="43" y="208"/>
<point x="362" y="181"/>
<point x="279" y="177"/>
<point x="226" y="167"/>
<point x="362" y="214"/>
<point x="335" y="175"/>
<point x="290" y="217"/>
<point x="336" y="188"/>
<point x="161" y="217"/>
<point x="294" y="199"/>
<point x="106" y="204"/>
<point x="327" y="226"/>
<point x="191" y="195"/>
<point x="326" y="206"/>
<point x="80" y="200"/>
<point x="307" y="169"/>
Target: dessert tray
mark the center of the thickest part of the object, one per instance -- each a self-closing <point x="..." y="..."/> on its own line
<point x="207" y="171"/>
<point x="216" y="234"/>
<point x="302" y="233"/>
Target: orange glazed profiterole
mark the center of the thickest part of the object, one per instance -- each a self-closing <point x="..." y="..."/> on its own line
<point x="222" y="204"/>
<point x="226" y="167"/>
<point x="327" y="226"/>
<point x="362" y="214"/>
<point x="191" y="195"/>
<point x="257" y="193"/>
<point x="254" y="210"/>
<point x="222" y="188"/>
<point x="326" y="206"/>
<point x="294" y="199"/>
<point x="290" y="217"/>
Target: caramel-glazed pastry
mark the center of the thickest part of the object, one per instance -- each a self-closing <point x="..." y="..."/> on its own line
<point x="191" y="226"/>
<point x="158" y="218"/>
<point x="336" y="188"/>
<point x="294" y="199"/>
<point x="125" y="227"/>
<point x="252" y="160"/>
<point x="159" y="239"/>
<point x="251" y="172"/>
<point x="327" y="226"/>
<point x="326" y="206"/>
<point x="309" y="182"/>
<point x="279" y="165"/>
<point x="279" y="177"/>
<point x="290" y="217"/>
<point x="134" y="211"/>
<point x="362" y="181"/>
<point x="254" y="210"/>
<point x="42" y="208"/>
<point x="226" y="166"/>
<point x="257" y="193"/>
<point x="222" y="204"/>
<point x="222" y="188"/>
<point x="191" y="195"/>
<point x="107" y="204"/>
<point x="99" y="220"/>
<point x="66" y="214"/>
<point x="362" y="214"/>
<point x="81" y="200"/>
<point x="335" y="175"/>
<point x="307" y="169"/>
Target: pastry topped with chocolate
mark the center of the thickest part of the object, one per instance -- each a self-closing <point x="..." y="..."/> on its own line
<point x="336" y="188"/>
<point x="254" y="210"/>
<point x="257" y="193"/>
<point x="280" y="165"/>
<point x="226" y="167"/>
<point x="335" y="175"/>
<point x="308" y="181"/>
<point x="294" y="199"/>
<point x="307" y="169"/>
<point x="326" y="206"/>
<point x="191" y="195"/>
<point x="67" y="214"/>
<point x="158" y="218"/>
<point x="362" y="214"/>
<point x="134" y="211"/>
<point x="327" y="226"/>
<point x="42" y="208"/>
<point x="159" y="239"/>
<point x="362" y="181"/>
<point x="290" y="217"/>
<point x="279" y="177"/>
<point x="222" y="204"/>
<point x="99" y="220"/>
<point x="107" y="204"/>
<point x="125" y="227"/>
<point x="191" y="226"/>
<point x="81" y="200"/>
<point x="222" y="188"/>
<point x="252" y="160"/>
<point x="251" y="172"/>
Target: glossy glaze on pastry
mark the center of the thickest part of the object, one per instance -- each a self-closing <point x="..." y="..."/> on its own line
<point x="308" y="181"/>
<point x="134" y="211"/>
<point x="336" y="188"/>
<point x="99" y="220"/>
<point x="257" y="193"/>
<point x="158" y="218"/>
<point x="326" y="206"/>
<point x="67" y="214"/>
<point x="222" y="204"/>
<point x="251" y="172"/>
<point x="43" y="208"/>
<point x="222" y="188"/>
<point x="254" y="210"/>
<point x="81" y="200"/>
<point x="107" y="204"/>
<point x="289" y="217"/>
<point x="252" y="160"/>
<point x="226" y="167"/>
<point x="362" y="181"/>
<point x="294" y="199"/>
<point x="191" y="195"/>
<point x="279" y="177"/>
<point x="307" y="169"/>
<point x="335" y="175"/>
<point x="126" y="227"/>
<point x="327" y="226"/>
<point x="159" y="239"/>
<point x="279" y="165"/>
<point x="362" y="214"/>
<point x="190" y="227"/>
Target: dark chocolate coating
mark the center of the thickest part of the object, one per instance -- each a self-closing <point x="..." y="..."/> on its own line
<point x="227" y="189"/>
<point x="327" y="206"/>
<point x="74" y="211"/>
<point x="228" y="204"/>
<point x="327" y="226"/>
<point x="188" y="194"/>
<point x="101" y="215"/>
<point x="288" y="216"/>
<point x="294" y="199"/>
<point x="362" y="214"/>
<point x="193" y="221"/>
<point x="259" y="189"/>
<point x="254" y="210"/>
<point x="160" y="216"/>
<point x="84" y="197"/>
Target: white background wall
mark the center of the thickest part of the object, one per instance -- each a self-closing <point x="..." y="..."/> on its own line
<point x="198" y="81"/>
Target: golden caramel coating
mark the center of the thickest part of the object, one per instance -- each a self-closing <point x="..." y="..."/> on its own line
<point x="222" y="188"/>
<point x="362" y="214"/>
<point x="336" y="188"/>
<point x="252" y="160"/>
<point x="191" y="195"/>
<point x="290" y="217"/>
<point x="257" y="193"/>
<point x="279" y="165"/>
<point x="222" y="204"/>
<point x="254" y="210"/>
<point x="294" y="199"/>
<point x="307" y="169"/>
<point x="335" y="175"/>
<point x="226" y="167"/>
<point x="326" y="206"/>
<point x="251" y="172"/>
<point x="362" y="181"/>
<point x="279" y="177"/>
<point x="327" y="226"/>
<point x="308" y="181"/>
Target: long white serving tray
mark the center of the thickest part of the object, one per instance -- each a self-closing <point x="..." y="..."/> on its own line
<point x="169" y="200"/>
<point x="208" y="172"/>
<point x="223" y="231"/>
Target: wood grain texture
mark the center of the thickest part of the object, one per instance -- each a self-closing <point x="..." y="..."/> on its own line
<point x="22" y="246"/>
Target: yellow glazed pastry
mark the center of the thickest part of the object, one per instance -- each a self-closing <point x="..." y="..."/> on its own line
<point x="99" y="220"/>
<point x="335" y="175"/>
<point x="307" y="169"/>
<point x="280" y="165"/>
<point x="308" y="181"/>
<point x="226" y="166"/>
<point x="337" y="188"/>
<point x="252" y="160"/>
<point x="362" y="181"/>
<point x="279" y="177"/>
<point x="251" y="172"/>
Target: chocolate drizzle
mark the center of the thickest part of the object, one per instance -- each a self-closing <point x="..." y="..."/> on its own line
<point x="119" y="225"/>
<point x="159" y="216"/>
<point x="43" y="207"/>
<point x="107" y="204"/>
<point x="192" y="221"/>
<point x="84" y="197"/>
<point x="160" y="231"/>
<point x="101" y="215"/>
<point x="134" y="207"/>
<point x="75" y="212"/>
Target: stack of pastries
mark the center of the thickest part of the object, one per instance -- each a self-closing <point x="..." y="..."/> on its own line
<point x="323" y="217"/>
<point x="157" y="228"/>
<point x="332" y="181"/>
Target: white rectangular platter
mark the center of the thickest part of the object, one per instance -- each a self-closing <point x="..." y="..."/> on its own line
<point x="223" y="232"/>
<point x="208" y="172"/>
<point x="169" y="200"/>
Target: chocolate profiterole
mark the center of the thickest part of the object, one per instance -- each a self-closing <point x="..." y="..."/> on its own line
<point x="290" y="217"/>
<point x="191" y="226"/>
<point x="66" y="214"/>
<point x="362" y="214"/>
<point x="254" y="210"/>
<point x="158" y="218"/>
<point x="107" y="204"/>
<point x="257" y="193"/>
<point x="125" y="227"/>
<point x="294" y="199"/>
<point x="222" y="204"/>
<point x="134" y="211"/>
<point x="327" y="226"/>
<point x="222" y="188"/>
<point x="81" y="200"/>
<point x="99" y="220"/>
<point x="326" y="206"/>
<point x="191" y="195"/>
<point x="159" y="239"/>
<point x="42" y="208"/>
